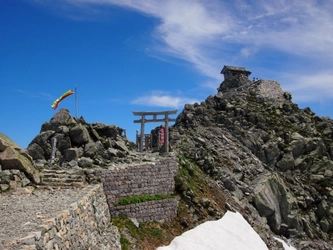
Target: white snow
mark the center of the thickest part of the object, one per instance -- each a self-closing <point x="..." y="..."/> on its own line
<point x="285" y="245"/>
<point x="230" y="232"/>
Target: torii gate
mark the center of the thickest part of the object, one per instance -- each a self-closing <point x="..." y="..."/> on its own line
<point x="166" y="119"/>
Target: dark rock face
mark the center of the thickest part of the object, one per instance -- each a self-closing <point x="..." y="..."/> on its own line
<point x="274" y="158"/>
<point x="89" y="144"/>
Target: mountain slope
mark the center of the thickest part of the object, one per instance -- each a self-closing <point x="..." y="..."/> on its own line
<point x="274" y="158"/>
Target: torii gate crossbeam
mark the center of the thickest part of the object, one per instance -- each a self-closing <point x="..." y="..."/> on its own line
<point x="166" y="119"/>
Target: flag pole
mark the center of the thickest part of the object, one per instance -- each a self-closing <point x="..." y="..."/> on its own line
<point x="76" y="108"/>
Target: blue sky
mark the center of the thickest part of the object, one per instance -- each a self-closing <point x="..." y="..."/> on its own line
<point x="152" y="55"/>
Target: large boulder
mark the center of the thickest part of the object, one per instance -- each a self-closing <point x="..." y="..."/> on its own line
<point x="92" y="149"/>
<point x="71" y="154"/>
<point x="121" y="146"/>
<point x="85" y="162"/>
<point x="274" y="202"/>
<point x="269" y="153"/>
<point x="287" y="162"/>
<point x="60" y="119"/>
<point x="40" y="147"/>
<point x="11" y="158"/>
<point x="6" y="142"/>
<point x="106" y="131"/>
<point x="79" y="135"/>
<point x="36" y="151"/>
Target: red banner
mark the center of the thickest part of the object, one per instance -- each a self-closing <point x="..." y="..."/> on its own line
<point x="162" y="135"/>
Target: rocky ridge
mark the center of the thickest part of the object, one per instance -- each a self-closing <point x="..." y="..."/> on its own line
<point x="273" y="157"/>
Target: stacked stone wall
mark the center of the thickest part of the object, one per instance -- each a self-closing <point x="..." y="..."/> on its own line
<point x="146" y="178"/>
<point x="160" y="210"/>
<point x="270" y="90"/>
<point x="85" y="223"/>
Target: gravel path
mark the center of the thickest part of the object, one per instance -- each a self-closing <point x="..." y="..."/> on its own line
<point x="22" y="210"/>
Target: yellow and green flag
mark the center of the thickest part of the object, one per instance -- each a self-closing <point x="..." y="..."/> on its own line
<point x="66" y="94"/>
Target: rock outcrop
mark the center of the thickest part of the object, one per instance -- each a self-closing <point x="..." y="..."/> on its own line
<point x="15" y="160"/>
<point x="77" y="143"/>
<point x="273" y="157"/>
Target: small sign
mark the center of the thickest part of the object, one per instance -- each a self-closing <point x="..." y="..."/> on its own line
<point x="162" y="135"/>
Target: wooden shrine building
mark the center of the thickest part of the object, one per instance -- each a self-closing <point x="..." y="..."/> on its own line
<point x="230" y="71"/>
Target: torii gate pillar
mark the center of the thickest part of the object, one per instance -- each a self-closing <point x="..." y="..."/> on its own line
<point x="166" y="119"/>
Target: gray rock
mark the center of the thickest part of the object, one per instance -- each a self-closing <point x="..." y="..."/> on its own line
<point x="12" y="159"/>
<point x="73" y="163"/>
<point x="71" y="154"/>
<point x="274" y="202"/>
<point x="36" y="151"/>
<point x="6" y="142"/>
<point x="321" y="209"/>
<point x="112" y="152"/>
<point x="85" y="162"/>
<point x="90" y="149"/>
<point x="79" y="135"/>
<point x="4" y="187"/>
<point x="121" y="146"/>
<point x="324" y="224"/>
<point x="270" y="153"/>
<point x="5" y="177"/>
<point x="61" y="118"/>
<point x="105" y="130"/>
<point x="25" y="182"/>
<point x="287" y="162"/>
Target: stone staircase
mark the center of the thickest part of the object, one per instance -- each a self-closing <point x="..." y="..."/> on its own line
<point x="62" y="178"/>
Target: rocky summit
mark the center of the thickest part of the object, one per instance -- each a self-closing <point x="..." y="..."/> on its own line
<point x="248" y="148"/>
<point x="273" y="157"/>
<point x="78" y="143"/>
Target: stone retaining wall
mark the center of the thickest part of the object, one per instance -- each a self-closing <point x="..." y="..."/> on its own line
<point x="160" y="210"/>
<point x="147" y="178"/>
<point x="84" y="225"/>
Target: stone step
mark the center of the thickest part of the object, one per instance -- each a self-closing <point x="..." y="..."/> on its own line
<point x="75" y="172"/>
<point x="53" y="175"/>
<point x="62" y="178"/>
<point x="62" y="185"/>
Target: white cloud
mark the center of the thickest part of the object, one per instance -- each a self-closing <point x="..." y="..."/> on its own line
<point x="39" y="95"/>
<point x="210" y="33"/>
<point x="210" y="85"/>
<point x="188" y="28"/>
<point x="311" y="88"/>
<point x="293" y="27"/>
<point x="248" y="51"/>
<point x="162" y="99"/>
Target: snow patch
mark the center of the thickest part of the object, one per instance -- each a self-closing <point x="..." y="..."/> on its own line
<point x="230" y="232"/>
